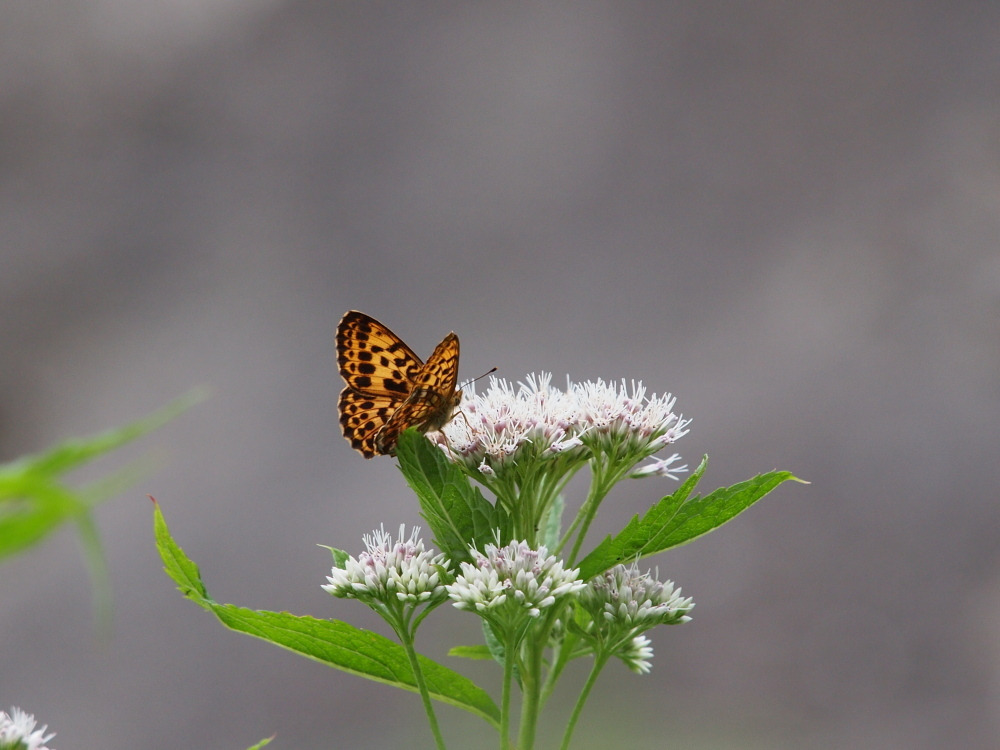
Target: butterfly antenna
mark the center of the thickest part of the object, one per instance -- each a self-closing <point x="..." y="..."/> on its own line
<point x="470" y="382"/>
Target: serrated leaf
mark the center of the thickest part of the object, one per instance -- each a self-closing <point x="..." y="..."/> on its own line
<point x="178" y="565"/>
<point x="675" y="520"/>
<point x="456" y="511"/>
<point x="331" y="642"/>
<point x="471" y="652"/>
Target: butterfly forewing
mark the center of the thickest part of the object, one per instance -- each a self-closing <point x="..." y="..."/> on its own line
<point x="432" y="400"/>
<point x="373" y="359"/>
<point x="388" y="387"/>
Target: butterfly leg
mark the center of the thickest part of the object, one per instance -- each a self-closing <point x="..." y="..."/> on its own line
<point x="451" y="451"/>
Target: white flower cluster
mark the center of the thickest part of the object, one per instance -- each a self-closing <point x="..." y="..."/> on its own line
<point x="629" y="599"/>
<point x="17" y="730"/>
<point x="614" y="416"/>
<point x="525" y="579"/>
<point x="400" y="569"/>
<point x="505" y="422"/>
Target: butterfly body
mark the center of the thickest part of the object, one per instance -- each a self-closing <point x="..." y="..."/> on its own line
<point x="388" y="387"/>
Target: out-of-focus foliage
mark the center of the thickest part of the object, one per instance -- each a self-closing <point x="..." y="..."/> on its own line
<point x="35" y="499"/>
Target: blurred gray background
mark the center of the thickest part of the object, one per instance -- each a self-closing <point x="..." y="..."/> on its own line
<point x="784" y="213"/>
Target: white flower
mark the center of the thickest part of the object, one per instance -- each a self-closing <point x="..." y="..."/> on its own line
<point x="504" y="422"/>
<point x="628" y="599"/>
<point x="17" y="732"/>
<point x="400" y="569"/>
<point x="525" y="579"/>
<point x="507" y="424"/>
<point x="660" y="467"/>
<point x="636" y="654"/>
<point x="618" y="418"/>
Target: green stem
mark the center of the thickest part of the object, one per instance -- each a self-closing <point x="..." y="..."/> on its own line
<point x="598" y="490"/>
<point x="509" y="657"/>
<point x="585" y="509"/>
<point x="531" y="677"/>
<point x="599" y="661"/>
<point x="97" y="565"/>
<point x="602" y="483"/>
<point x="572" y="527"/>
<point x="407" y="641"/>
<point x="560" y="658"/>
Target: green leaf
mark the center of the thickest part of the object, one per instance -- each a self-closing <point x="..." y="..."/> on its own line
<point x="178" y="565"/>
<point x="552" y="524"/>
<point x="481" y="651"/>
<point x="493" y="644"/>
<point x="457" y="513"/>
<point x="73" y="453"/>
<point x="331" y="642"/>
<point x="42" y="508"/>
<point x="259" y="745"/>
<point x="675" y="520"/>
<point x="339" y="556"/>
<point x="34" y="503"/>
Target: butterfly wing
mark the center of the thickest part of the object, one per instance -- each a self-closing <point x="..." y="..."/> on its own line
<point x="379" y="370"/>
<point x="362" y="416"/>
<point x="372" y="359"/>
<point x="432" y="399"/>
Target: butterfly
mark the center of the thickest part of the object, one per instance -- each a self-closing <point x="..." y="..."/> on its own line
<point x="388" y="387"/>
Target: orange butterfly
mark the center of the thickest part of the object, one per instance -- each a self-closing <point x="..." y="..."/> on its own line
<point x="388" y="387"/>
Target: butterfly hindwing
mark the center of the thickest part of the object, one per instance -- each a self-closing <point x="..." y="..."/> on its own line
<point x="362" y="416"/>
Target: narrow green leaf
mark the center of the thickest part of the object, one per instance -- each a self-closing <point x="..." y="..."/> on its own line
<point x="72" y="453"/>
<point x="456" y="511"/>
<point x="41" y="509"/>
<point x="471" y="652"/>
<point x="675" y="520"/>
<point x="259" y="745"/>
<point x="331" y="642"/>
<point x="552" y="523"/>
<point x="33" y="503"/>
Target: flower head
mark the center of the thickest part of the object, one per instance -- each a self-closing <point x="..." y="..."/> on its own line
<point x="512" y="581"/>
<point x="628" y="599"/>
<point x="626" y="420"/>
<point x="17" y="732"/>
<point x="503" y="424"/>
<point x="403" y="570"/>
<point x="536" y="421"/>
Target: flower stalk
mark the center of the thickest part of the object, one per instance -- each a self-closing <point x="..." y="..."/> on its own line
<point x="595" y="672"/>
<point x="401" y="581"/>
